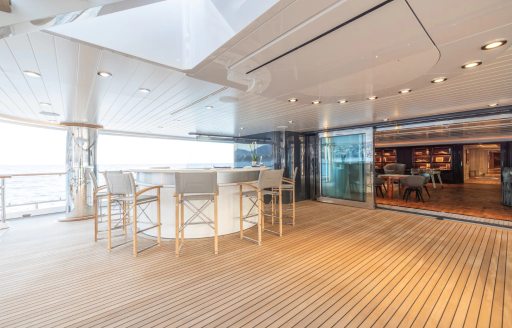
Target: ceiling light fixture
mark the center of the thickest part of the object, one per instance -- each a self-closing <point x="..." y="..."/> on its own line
<point x="385" y="119"/>
<point x="45" y="104"/>
<point x="316" y="102"/>
<point x="493" y="44"/>
<point x="32" y="74"/>
<point x="493" y="105"/>
<point x="342" y="101"/>
<point x="209" y="107"/>
<point x="144" y="90"/>
<point x="292" y="100"/>
<point x="372" y="97"/>
<point x="290" y="122"/>
<point x="241" y="128"/>
<point x="46" y="113"/>
<point x="439" y="79"/>
<point x="104" y="74"/>
<point x="405" y="91"/>
<point x="472" y="64"/>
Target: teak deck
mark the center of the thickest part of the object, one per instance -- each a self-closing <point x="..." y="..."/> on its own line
<point x="339" y="266"/>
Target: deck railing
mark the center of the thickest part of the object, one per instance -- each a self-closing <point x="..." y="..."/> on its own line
<point x="43" y="194"/>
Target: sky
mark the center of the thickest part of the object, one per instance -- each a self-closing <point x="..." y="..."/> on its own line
<point x="27" y="145"/>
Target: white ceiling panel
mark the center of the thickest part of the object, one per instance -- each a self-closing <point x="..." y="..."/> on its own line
<point x="178" y="103"/>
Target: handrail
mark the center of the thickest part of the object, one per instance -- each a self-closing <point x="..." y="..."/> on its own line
<point x="9" y="175"/>
<point x="4" y="206"/>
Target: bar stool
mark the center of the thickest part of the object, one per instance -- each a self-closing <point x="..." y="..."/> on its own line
<point x="99" y="193"/>
<point x="192" y="187"/>
<point x="269" y="183"/>
<point x="122" y="190"/>
<point x="288" y="185"/>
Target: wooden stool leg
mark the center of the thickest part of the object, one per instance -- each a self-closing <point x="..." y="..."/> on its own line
<point x="109" y="222"/>
<point x="241" y="214"/>
<point x="293" y="205"/>
<point x="182" y="220"/>
<point x="215" y="224"/>
<point x="177" y="224"/>
<point x="95" y="202"/>
<point x="158" y="218"/>
<point x="280" y="212"/>
<point x="260" y="215"/>
<point x="134" y="227"/>
<point x="273" y="209"/>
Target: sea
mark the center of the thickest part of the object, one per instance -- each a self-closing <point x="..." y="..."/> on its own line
<point x="50" y="190"/>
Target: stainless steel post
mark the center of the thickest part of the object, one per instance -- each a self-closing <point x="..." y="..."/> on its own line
<point x="80" y="156"/>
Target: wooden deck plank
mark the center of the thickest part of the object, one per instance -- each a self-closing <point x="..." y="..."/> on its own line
<point x="339" y="266"/>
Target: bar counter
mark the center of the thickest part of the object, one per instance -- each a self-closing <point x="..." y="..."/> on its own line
<point x="229" y="202"/>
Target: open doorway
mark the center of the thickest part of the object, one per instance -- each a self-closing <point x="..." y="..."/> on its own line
<point x="482" y="164"/>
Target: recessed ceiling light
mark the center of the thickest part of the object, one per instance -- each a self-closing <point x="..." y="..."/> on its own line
<point x="241" y="128"/>
<point x="404" y="91"/>
<point x="290" y="122"/>
<point x="104" y="74"/>
<point x="45" y="104"/>
<point x="32" y="74"/>
<point x="385" y="119"/>
<point x="316" y="102"/>
<point x="472" y="64"/>
<point x="342" y="101"/>
<point x="293" y="100"/>
<point x="209" y="107"/>
<point x="144" y="90"/>
<point x="493" y="44"/>
<point x="493" y="105"/>
<point x="53" y="114"/>
<point x="372" y="97"/>
<point x="439" y="79"/>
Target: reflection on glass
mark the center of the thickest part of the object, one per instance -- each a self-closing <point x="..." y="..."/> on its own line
<point x="342" y="167"/>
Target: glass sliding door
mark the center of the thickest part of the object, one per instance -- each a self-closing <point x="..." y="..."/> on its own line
<point x="346" y="167"/>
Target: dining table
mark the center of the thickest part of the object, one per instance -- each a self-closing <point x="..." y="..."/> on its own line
<point x="390" y="179"/>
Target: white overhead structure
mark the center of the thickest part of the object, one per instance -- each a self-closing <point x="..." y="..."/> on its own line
<point x="217" y="66"/>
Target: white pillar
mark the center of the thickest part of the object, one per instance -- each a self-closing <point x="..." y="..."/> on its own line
<point x="80" y="156"/>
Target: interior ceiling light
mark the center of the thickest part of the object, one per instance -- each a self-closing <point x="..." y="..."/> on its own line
<point x="385" y="119"/>
<point x="104" y="74"/>
<point x="290" y="122"/>
<point x="144" y="90"/>
<point x="316" y="102"/>
<point x="241" y="128"/>
<point x="372" y="97"/>
<point x="342" y="101"/>
<point x="53" y="114"/>
<point x="209" y="107"/>
<point x="45" y="104"/>
<point x="493" y="105"/>
<point x="293" y="100"/>
<point x="32" y="74"/>
<point x="439" y="79"/>
<point x="494" y="44"/>
<point x="472" y="64"/>
<point x="281" y="126"/>
<point x="404" y="91"/>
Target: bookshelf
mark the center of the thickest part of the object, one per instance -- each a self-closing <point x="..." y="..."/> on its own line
<point x="421" y="158"/>
<point x="442" y="158"/>
<point x="436" y="158"/>
<point x="384" y="156"/>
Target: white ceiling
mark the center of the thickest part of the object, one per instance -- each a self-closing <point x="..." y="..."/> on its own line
<point x="178" y="99"/>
